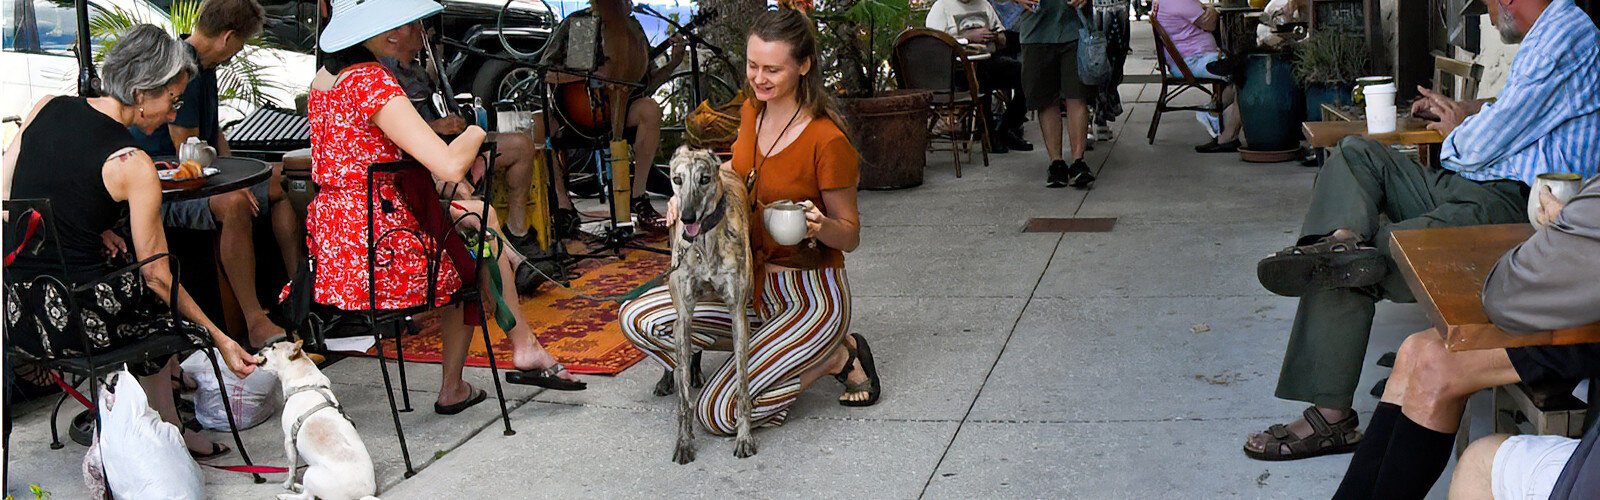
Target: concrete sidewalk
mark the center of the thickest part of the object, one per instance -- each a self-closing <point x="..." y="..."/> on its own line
<point x="1128" y="364"/>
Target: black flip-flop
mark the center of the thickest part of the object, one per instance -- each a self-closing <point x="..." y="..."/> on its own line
<point x="477" y="397"/>
<point x="873" y="387"/>
<point x="548" y="378"/>
<point x="217" y="450"/>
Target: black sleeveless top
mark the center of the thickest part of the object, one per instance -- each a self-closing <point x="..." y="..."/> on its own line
<point x="61" y="157"/>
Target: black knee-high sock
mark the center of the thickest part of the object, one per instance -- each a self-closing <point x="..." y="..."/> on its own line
<point x="1416" y="457"/>
<point x="1363" y="471"/>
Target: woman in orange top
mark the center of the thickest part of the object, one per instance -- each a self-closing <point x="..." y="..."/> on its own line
<point x="791" y="147"/>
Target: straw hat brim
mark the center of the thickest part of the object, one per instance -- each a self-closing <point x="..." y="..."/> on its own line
<point x="370" y="18"/>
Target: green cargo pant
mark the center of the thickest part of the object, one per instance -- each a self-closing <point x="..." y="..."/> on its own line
<point x="1362" y="181"/>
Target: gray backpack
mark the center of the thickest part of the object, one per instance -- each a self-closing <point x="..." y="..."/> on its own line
<point x="1093" y="66"/>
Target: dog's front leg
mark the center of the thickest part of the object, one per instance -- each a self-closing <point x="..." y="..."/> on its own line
<point x="744" y="442"/>
<point x="682" y="332"/>
<point x="293" y="455"/>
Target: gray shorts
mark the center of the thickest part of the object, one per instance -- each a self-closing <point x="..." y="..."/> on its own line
<point x="1050" y="74"/>
<point x="196" y="214"/>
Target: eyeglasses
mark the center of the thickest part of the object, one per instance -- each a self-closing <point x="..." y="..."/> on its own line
<point x="177" y="102"/>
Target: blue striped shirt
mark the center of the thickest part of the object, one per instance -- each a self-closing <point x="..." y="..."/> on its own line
<point x="1547" y="119"/>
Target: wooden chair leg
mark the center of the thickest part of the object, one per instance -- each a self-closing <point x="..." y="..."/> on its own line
<point x="983" y="128"/>
<point x="1161" y="107"/>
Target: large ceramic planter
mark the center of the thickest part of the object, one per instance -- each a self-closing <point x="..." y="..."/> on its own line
<point x="1270" y="104"/>
<point x="890" y="131"/>
<point x="1322" y="93"/>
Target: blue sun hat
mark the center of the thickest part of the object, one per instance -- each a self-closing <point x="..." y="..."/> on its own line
<point x="355" y="21"/>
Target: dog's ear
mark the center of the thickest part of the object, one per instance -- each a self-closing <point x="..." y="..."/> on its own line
<point x="296" y="352"/>
<point x="682" y="150"/>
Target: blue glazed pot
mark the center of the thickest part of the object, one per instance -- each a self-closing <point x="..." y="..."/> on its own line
<point x="1319" y="94"/>
<point x="1270" y="104"/>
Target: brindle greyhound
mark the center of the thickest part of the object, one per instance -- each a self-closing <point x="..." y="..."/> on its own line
<point x="710" y="259"/>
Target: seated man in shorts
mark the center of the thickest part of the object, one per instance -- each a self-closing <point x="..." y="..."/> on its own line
<point x="220" y="32"/>
<point x="1546" y="283"/>
<point x="1190" y="25"/>
<point x="643" y="125"/>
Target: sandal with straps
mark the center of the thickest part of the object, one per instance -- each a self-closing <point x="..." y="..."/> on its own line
<point x="1324" y="265"/>
<point x="872" y="386"/>
<point x="549" y="378"/>
<point x="1325" y="439"/>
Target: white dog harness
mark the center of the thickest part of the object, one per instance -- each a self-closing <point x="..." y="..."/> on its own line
<point x="327" y="402"/>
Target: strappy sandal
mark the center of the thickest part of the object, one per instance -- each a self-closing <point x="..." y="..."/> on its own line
<point x="872" y="386"/>
<point x="1324" y="265"/>
<point x="549" y="378"/>
<point x="217" y="450"/>
<point x="1325" y="439"/>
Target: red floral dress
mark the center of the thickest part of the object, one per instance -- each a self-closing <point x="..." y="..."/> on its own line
<point x="344" y="143"/>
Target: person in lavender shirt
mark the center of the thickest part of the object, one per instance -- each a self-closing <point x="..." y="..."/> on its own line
<point x="1190" y="25"/>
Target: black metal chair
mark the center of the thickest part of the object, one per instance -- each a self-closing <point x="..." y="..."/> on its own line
<point x="91" y="366"/>
<point x="322" y="322"/>
<point x="929" y="59"/>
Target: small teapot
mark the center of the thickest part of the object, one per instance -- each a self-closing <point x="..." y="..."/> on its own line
<point x="197" y="150"/>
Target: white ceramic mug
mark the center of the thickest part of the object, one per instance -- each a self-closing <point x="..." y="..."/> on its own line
<point x="1563" y="185"/>
<point x="785" y="221"/>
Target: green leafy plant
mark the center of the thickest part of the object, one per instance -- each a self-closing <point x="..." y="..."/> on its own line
<point x="39" y="493"/>
<point x="242" y="79"/>
<point x="857" y="39"/>
<point x="1330" y="58"/>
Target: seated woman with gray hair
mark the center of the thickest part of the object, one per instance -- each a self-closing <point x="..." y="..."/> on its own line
<point x="78" y="153"/>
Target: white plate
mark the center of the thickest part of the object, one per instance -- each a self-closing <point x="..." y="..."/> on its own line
<point x="167" y="174"/>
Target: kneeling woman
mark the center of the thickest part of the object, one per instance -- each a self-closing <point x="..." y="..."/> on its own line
<point x="790" y="146"/>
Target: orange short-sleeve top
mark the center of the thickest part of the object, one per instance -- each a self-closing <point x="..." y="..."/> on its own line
<point x="821" y="159"/>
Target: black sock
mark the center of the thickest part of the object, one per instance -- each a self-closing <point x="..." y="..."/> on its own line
<point x="1416" y="457"/>
<point x="1364" y="465"/>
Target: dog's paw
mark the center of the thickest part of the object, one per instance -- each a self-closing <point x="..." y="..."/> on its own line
<point x="744" y="448"/>
<point x="665" y="386"/>
<point x="684" y="454"/>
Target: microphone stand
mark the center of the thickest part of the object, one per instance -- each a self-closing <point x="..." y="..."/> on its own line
<point x="695" y="41"/>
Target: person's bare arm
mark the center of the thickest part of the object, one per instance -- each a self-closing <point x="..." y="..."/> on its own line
<point x="1208" y="20"/>
<point x="180" y="135"/>
<point x="399" y="120"/>
<point x="10" y="160"/>
<point x="840" y="227"/>
<point x="222" y="145"/>
<point x="659" y="76"/>
<point x="131" y="177"/>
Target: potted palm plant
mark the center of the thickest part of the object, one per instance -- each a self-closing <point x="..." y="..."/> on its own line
<point x="1327" y="65"/>
<point x="857" y="38"/>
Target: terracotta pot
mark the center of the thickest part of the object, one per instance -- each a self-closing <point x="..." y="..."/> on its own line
<point x="890" y="131"/>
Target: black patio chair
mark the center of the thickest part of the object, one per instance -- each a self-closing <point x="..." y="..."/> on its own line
<point x="90" y="366"/>
<point x="321" y="322"/>
<point x="1177" y="79"/>
<point x="929" y="59"/>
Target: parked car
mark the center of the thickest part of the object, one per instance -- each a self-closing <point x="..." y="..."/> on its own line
<point x="39" y="59"/>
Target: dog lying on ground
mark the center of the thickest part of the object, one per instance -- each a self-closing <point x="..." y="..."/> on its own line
<point x="316" y="428"/>
<point x="710" y="259"/>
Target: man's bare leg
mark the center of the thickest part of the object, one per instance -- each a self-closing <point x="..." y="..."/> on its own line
<point x="1077" y="127"/>
<point x="236" y="212"/>
<point x="1050" y="127"/>
<point x="516" y="151"/>
<point x="644" y="114"/>
<point x="1431" y="384"/>
<point x="1473" y="479"/>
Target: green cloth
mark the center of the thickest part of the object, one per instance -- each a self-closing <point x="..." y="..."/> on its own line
<point x="1054" y="22"/>
<point x="1362" y="181"/>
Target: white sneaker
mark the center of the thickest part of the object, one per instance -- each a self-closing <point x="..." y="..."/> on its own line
<point x="1211" y="122"/>
<point x="1102" y="132"/>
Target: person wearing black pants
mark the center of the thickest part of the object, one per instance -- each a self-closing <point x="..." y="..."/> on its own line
<point x="978" y="24"/>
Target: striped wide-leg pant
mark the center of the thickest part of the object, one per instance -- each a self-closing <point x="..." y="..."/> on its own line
<point x="806" y="314"/>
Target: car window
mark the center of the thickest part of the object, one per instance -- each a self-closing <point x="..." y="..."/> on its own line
<point x="58" y="26"/>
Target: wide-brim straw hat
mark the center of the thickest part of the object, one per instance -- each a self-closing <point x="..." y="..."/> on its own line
<point x="355" y="21"/>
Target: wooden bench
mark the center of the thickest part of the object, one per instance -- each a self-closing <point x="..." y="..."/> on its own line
<point x="1446" y="268"/>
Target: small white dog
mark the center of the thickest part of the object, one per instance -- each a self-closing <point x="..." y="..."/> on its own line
<point x="315" y="428"/>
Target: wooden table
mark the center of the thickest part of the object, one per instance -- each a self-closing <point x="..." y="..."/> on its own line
<point x="1408" y="131"/>
<point x="1446" y="268"/>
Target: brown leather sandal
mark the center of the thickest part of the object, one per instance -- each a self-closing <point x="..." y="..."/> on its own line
<point x="1325" y="439"/>
<point x="1324" y="265"/>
